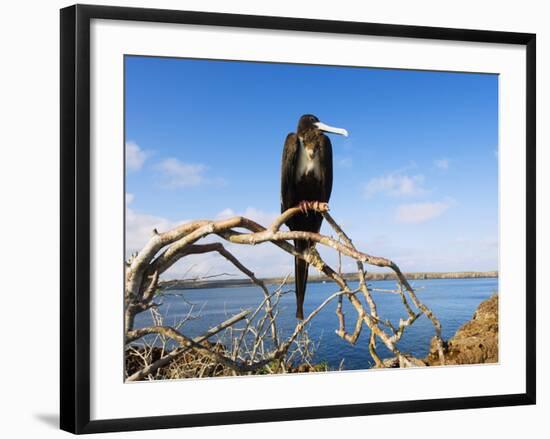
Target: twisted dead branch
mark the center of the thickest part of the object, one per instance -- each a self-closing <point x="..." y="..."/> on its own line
<point x="248" y="352"/>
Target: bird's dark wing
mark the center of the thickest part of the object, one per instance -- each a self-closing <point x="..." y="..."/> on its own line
<point x="325" y="156"/>
<point x="288" y="170"/>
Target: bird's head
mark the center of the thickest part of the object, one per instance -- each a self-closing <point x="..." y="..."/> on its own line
<point x="309" y="122"/>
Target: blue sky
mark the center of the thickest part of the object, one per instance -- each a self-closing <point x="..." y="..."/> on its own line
<point x="415" y="181"/>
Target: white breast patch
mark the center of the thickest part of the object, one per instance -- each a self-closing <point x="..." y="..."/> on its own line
<point x="306" y="166"/>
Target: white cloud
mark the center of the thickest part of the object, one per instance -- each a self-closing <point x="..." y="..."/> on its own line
<point x="140" y="226"/>
<point x="265" y="260"/>
<point x="139" y="229"/>
<point x="135" y="156"/>
<point x="178" y="174"/>
<point x="442" y="163"/>
<point x="395" y="184"/>
<point x="226" y="213"/>
<point x="344" y="162"/>
<point x="257" y="215"/>
<point x="487" y="243"/>
<point x="420" y="212"/>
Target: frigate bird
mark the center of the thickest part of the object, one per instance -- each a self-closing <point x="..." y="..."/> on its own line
<point x="306" y="177"/>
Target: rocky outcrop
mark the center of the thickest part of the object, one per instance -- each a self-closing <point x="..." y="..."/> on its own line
<point x="476" y="341"/>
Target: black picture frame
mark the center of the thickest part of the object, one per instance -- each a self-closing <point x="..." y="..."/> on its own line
<point x="75" y="217"/>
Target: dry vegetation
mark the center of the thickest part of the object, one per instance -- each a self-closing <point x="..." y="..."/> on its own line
<point x="250" y="342"/>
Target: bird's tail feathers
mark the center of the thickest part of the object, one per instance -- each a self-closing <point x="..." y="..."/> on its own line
<point x="300" y="278"/>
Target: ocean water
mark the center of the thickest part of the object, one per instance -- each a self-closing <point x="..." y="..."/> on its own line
<point x="452" y="300"/>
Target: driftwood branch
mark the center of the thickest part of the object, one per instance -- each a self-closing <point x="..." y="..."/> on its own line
<point x="185" y="342"/>
<point x="165" y="249"/>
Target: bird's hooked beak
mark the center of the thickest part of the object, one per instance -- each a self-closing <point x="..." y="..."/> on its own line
<point x="328" y="129"/>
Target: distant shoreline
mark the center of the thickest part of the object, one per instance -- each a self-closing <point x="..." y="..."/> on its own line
<point x="245" y="282"/>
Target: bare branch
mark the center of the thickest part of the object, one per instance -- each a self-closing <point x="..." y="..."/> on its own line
<point x="184" y="341"/>
<point x="244" y="355"/>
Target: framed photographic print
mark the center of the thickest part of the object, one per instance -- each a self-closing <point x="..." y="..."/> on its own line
<point x="272" y="218"/>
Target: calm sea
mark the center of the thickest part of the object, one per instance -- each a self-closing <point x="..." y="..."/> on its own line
<point x="452" y="300"/>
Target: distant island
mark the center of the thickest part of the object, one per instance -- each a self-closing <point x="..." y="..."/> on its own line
<point x="188" y="284"/>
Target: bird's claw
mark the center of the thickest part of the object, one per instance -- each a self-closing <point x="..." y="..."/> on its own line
<point x="303" y="205"/>
<point x="318" y="206"/>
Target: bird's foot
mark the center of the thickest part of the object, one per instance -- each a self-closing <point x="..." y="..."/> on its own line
<point x="304" y="206"/>
<point x="318" y="206"/>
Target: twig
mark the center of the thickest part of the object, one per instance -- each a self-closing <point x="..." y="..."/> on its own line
<point x="164" y="249"/>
